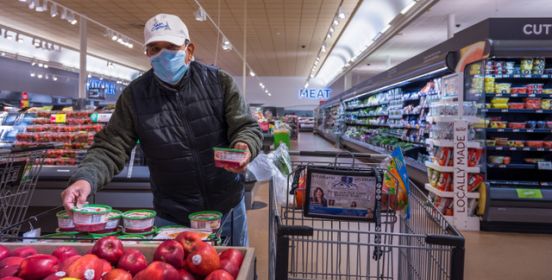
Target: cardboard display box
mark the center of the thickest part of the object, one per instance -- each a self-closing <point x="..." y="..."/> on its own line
<point x="247" y="270"/>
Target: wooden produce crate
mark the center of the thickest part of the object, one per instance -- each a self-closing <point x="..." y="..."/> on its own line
<point x="247" y="270"/>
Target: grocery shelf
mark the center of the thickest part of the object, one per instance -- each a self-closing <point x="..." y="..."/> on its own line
<point x="450" y="143"/>
<point x="450" y="169"/>
<point x="513" y="166"/>
<point x="365" y="106"/>
<point x="470" y="119"/>
<point x="520" y="183"/>
<point x="440" y="193"/>
<point x="518" y="111"/>
<point x="524" y="130"/>
<point x="515" y="149"/>
<point x="517" y="76"/>
<point x="537" y="95"/>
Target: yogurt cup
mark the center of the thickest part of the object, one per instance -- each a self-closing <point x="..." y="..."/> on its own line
<point x="206" y="220"/>
<point x="65" y="222"/>
<point x="113" y="220"/>
<point x="139" y="221"/>
<point x="91" y="217"/>
<point x="228" y="157"/>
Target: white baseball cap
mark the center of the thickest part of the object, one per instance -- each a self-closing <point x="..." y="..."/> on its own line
<point x="166" y="28"/>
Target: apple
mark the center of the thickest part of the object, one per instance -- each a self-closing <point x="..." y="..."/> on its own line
<point x="203" y="259"/>
<point x="23" y="252"/>
<point x="133" y="261"/>
<point x="185" y="275"/>
<point x="109" y="248"/>
<point x="56" y="276"/>
<point x="38" y="267"/>
<point x="231" y="261"/>
<point x="89" y="265"/>
<point x="4" y="252"/>
<point x="188" y="239"/>
<point x="10" y="278"/>
<point x="117" y="274"/>
<point x="68" y="261"/>
<point x="220" y="274"/>
<point x="10" y="266"/>
<point x="158" y="271"/>
<point x="171" y="252"/>
<point x="64" y="252"/>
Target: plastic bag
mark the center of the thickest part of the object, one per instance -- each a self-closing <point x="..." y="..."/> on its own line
<point x="262" y="167"/>
<point x="281" y="159"/>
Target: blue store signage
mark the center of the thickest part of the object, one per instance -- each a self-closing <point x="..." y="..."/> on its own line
<point x="315" y="93"/>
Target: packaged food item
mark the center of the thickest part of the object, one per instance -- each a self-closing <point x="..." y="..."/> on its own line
<point x="475" y="69"/>
<point x="442" y="203"/>
<point x="498" y="124"/>
<point x="547" y="91"/>
<point x="501" y="141"/>
<point x="535" y="88"/>
<point x="231" y="158"/>
<point x="526" y="66"/>
<point x="474" y="181"/>
<point x="91" y="217"/>
<point x="507" y="160"/>
<point x="516" y="105"/>
<point x="532" y="124"/>
<point x="503" y="88"/>
<point x="490" y="143"/>
<point x="533" y="103"/>
<point x="65" y="222"/>
<point x="499" y="106"/>
<point x="113" y="220"/>
<point x="474" y="155"/>
<point x="545" y="104"/>
<point x="445" y="182"/>
<point x="207" y="220"/>
<point x="489" y="84"/>
<point x="138" y="221"/>
<point x="499" y="100"/>
<point x="509" y="67"/>
<point x="516" y="143"/>
<point x="433" y="177"/>
<point x="444" y="156"/>
<point x="533" y="160"/>
<point x="496" y="159"/>
<point x="548" y="144"/>
<point x="541" y="124"/>
<point x="535" y="144"/>
<point x="519" y="90"/>
<point x="549" y="124"/>
<point x="517" y="125"/>
<point x="538" y="66"/>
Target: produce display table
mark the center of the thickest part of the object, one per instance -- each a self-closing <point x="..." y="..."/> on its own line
<point x="247" y="270"/>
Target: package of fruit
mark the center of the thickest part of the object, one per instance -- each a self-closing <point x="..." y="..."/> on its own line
<point x="229" y="158"/>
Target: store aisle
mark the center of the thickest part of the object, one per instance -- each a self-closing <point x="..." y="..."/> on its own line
<point x="489" y="255"/>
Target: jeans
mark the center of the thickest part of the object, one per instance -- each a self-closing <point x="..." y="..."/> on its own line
<point x="238" y="236"/>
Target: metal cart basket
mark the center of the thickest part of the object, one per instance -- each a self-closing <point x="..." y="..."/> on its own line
<point x="19" y="169"/>
<point x="424" y="247"/>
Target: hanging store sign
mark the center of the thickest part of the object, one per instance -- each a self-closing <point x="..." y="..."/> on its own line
<point x="522" y="29"/>
<point x="98" y="89"/>
<point x="315" y="93"/>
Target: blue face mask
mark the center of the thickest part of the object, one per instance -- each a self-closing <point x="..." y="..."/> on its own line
<point x="169" y="66"/>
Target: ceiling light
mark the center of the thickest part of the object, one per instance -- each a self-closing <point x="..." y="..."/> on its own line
<point x="408" y="7"/>
<point x="8" y="35"/>
<point x="41" y="8"/>
<point x="324" y="48"/>
<point x="266" y="90"/>
<point x="45" y="65"/>
<point x="312" y="76"/>
<point x="341" y="14"/>
<point x="46" y="77"/>
<point x="39" y="76"/>
<point x="329" y="35"/>
<point x="54" y="78"/>
<point x="89" y="76"/>
<point x="40" y="65"/>
<point x="33" y="63"/>
<point x="73" y="21"/>
<point x="261" y="85"/>
<point x="226" y="45"/>
<point x="269" y="94"/>
<point x="18" y="38"/>
<point x="33" y="74"/>
<point x="251" y="73"/>
<point x="335" y="22"/>
<point x="63" y="13"/>
<point x="53" y="10"/>
<point x="200" y="14"/>
<point x="3" y="54"/>
<point x="306" y="84"/>
<point x="36" y="43"/>
<point x="23" y="1"/>
<point x="114" y="37"/>
<point x="332" y="30"/>
<point x="32" y="4"/>
<point x="386" y="28"/>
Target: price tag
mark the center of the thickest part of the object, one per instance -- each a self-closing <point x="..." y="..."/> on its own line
<point x="515" y="95"/>
<point x="517" y="76"/>
<point x="499" y="148"/>
<point x="33" y="233"/>
<point x="500" y="130"/>
<point x="530" y="130"/>
<point x="515" y="130"/>
<point x="544" y="165"/>
<point x="504" y="110"/>
<point x="502" y="166"/>
<point x="540" y="149"/>
<point x="527" y="149"/>
<point x="58" y="118"/>
<point x="529" y="193"/>
<point x="531" y="95"/>
<point x="513" y="149"/>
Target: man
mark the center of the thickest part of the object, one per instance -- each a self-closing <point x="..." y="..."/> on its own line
<point x="179" y="111"/>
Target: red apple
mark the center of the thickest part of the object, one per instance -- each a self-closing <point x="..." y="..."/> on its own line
<point x="89" y="265"/>
<point x="23" y="252"/>
<point x="231" y="261"/>
<point x="4" y="252"/>
<point x="133" y="261"/>
<point x="64" y="252"/>
<point x="68" y="261"/>
<point x="158" y="271"/>
<point x="10" y="266"/>
<point x="56" y="276"/>
<point x="188" y="239"/>
<point x="185" y="275"/>
<point x="109" y="248"/>
<point x="171" y="252"/>
<point x="203" y="259"/>
<point x="117" y="274"/>
<point x="220" y="275"/>
<point x="38" y="267"/>
<point x="10" y="278"/>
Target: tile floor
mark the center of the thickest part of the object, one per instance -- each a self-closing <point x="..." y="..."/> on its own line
<point x="489" y="255"/>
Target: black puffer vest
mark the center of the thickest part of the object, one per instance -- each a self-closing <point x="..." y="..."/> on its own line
<point x="178" y="130"/>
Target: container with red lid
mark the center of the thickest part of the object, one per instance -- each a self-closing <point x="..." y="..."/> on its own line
<point x="91" y="217"/>
<point x="138" y="221"/>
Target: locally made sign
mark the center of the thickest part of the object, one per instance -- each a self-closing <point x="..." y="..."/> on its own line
<point x="315" y="93"/>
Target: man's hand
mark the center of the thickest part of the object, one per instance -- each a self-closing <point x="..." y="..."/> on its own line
<point x="245" y="161"/>
<point x="76" y="195"/>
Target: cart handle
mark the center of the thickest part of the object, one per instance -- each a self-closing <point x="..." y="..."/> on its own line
<point x="445" y="240"/>
<point x="295" y="230"/>
<point x="335" y="154"/>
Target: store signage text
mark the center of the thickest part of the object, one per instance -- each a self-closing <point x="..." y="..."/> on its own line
<point x="459" y="169"/>
<point x="537" y="29"/>
<point x="107" y="87"/>
<point x="315" y="93"/>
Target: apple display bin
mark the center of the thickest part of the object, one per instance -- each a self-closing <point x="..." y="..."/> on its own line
<point x="247" y="270"/>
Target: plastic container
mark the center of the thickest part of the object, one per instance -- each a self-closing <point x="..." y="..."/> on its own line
<point x="503" y="88"/>
<point x="516" y="105"/>
<point x="65" y="222"/>
<point x="139" y="221"/>
<point x="517" y="125"/>
<point x="535" y="144"/>
<point x="499" y="105"/>
<point x="207" y="220"/>
<point x="496" y="159"/>
<point x="230" y="158"/>
<point x="498" y="124"/>
<point x="113" y="221"/>
<point x="548" y="144"/>
<point x="490" y="143"/>
<point x="91" y="217"/>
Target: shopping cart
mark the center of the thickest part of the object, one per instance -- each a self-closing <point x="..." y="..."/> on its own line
<point x="19" y="169"/>
<point x="424" y="247"/>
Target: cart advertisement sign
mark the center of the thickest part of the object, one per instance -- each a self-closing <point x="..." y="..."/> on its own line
<point x="341" y="194"/>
